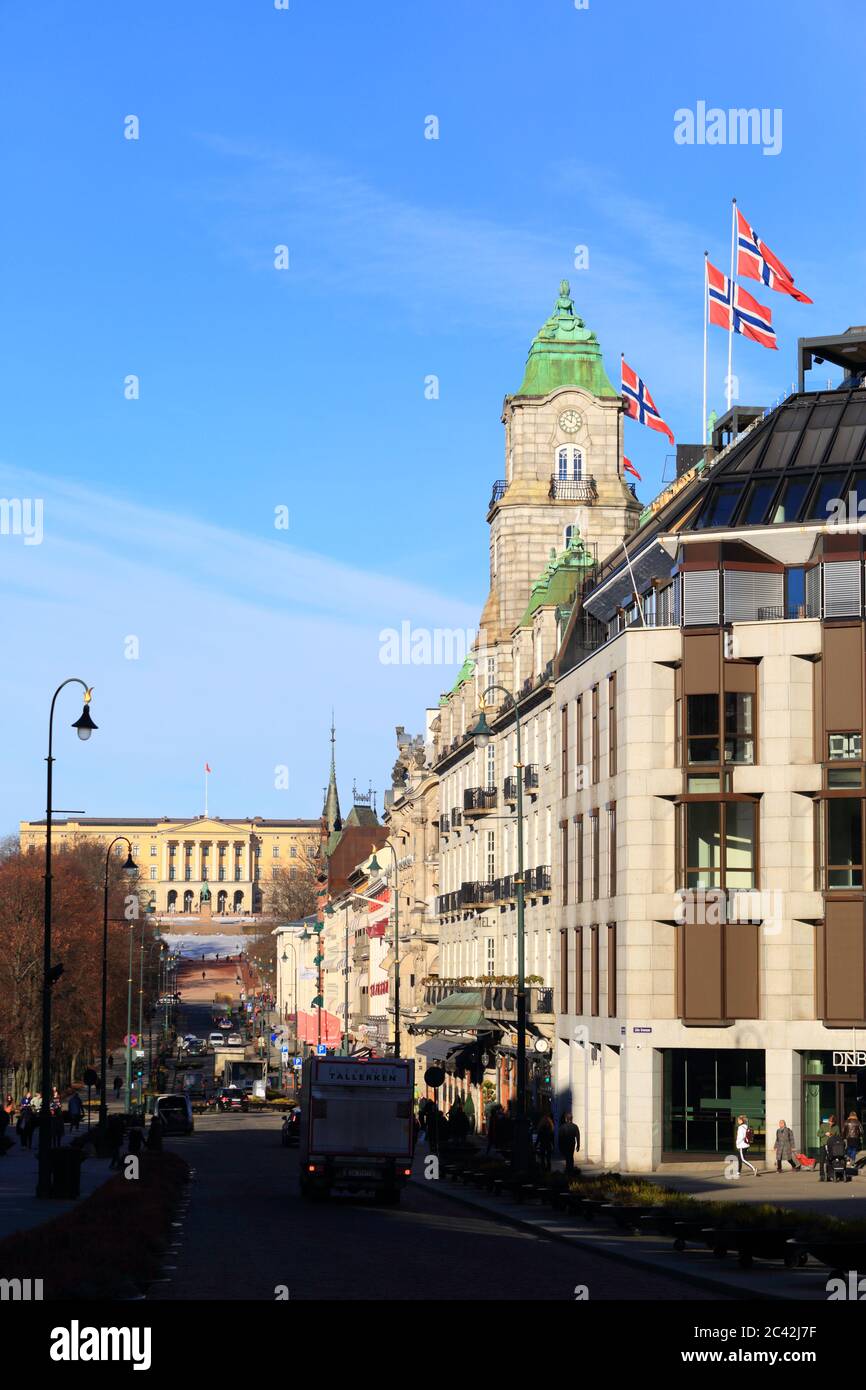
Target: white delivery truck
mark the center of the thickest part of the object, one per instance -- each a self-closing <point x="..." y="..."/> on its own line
<point x="357" y="1130"/>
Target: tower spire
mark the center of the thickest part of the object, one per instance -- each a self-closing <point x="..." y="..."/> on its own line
<point x="331" y="808"/>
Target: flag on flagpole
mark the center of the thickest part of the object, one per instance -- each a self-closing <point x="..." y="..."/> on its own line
<point x="756" y="261"/>
<point x="638" y="404"/>
<point x="734" y="309"/>
<point x="207" y="767"/>
<point x="628" y="467"/>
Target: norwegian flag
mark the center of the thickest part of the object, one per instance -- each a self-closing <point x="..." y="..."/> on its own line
<point x="638" y="404"/>
<point x="628" y="467"/>
<point x="756" y="261"/>
<point x="750" y="318"/>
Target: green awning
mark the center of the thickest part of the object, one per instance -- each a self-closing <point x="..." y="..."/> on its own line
<point x="462" y="1013"/>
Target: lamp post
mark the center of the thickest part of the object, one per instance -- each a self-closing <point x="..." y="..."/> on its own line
<point x="130" y="868"/>
<point x="374" y="867"/>
<point x="482" y="735"/>
<point x="84" y="726"/>
<point x="305" y="936"/>
<point x="149" y="910"/>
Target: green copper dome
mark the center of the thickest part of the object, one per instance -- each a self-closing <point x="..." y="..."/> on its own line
<point x="557" y="584"/>
<point x="565" y="352"/>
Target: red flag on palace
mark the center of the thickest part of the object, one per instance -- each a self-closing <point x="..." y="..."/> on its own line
<point x="628" y="467"/>
<point x="207" y="767"/>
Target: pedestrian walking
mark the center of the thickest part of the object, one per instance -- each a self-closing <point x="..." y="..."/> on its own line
<point x="4" y="1125"/>
<point x="110" y="1060"/>
<point x="742" y="1143"/>
<point x="493" y="1117"/>
<point x="118" y="1082"/>
<point x="784" y="1147"/>
<point x="56" y="1127"/>
<point x="544" y="1135"/>
<point x="75" y="1110"/>
<point x="853" y="1133"/>
<point x="829" y="1130"/>
<point x="458" y="1122"/>
<point x="568" y="1141"/>
<point x="114" y="1131"/>
<point x="9" y="1104"/>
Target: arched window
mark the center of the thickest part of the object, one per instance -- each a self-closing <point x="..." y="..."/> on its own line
<point x="239" y="901"/>
<point x="567" y="535"/>
<point x="187" y="900"/>
<point x="172" y="900"/>
<point x="222" y="899"/>
<point x="569" y="462"/>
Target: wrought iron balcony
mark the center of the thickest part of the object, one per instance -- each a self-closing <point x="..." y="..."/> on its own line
<point x="477" y="801"/>
<point x="447" y="903"/>
<point x="503" y="889"/>
<point x="456" y="816"/>
<point x="444" y="825"/>
<point x="538" y="880"/>
<point x="500" y="487"/>
<point x="476" y="894"/>
<point x="509" y="790"/>
<point x="573" y="489"/>
<point x="530" y="777"/>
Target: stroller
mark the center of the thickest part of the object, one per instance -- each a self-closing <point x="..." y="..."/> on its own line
<point x="837" y="1160"/>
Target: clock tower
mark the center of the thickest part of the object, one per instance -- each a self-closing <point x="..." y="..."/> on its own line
<point x="563" y="469"/>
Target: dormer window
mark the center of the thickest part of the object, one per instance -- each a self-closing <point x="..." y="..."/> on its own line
<point x="569" y="462"/>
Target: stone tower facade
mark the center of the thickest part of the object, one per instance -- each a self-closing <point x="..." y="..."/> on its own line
<point x="563" y="469"/>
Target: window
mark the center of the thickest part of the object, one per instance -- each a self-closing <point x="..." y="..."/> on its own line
<point x="153" y="872"/>
<point x="276" y="851"/>
<point x="491" y="955"/>
<point x="702" y="728"/>
<point x="611" y="724"/>
<point x="578" y="970"/>
<point x="593" y="971"/>
<point x="795" y="593"/>
<point x="844" y="746"/>
<point x="845" y="842"/>
<point x="275" y="873"/>
<point x="791" y="501"/>
<point x="596" y="852"/>
<point x="578" y="741"/>
<point x="739" y="733"/>
<point x="153" y="851"/>
<point x="595" y="733"/>
<point x="491" y="766"/>
<point x="720" y="844"/>
<point x="757" y="501"/>
<point x="611" y="970"/>
<point x="569" y="462"/>
<point x="491" y="856"/>
<point x="827" y="490"/>
<point x="563" y="859"/>
<point x="578" y="854"/>
<point x="563" y="972"/>
<point x="719" y="506"/>
<point x="611" y="849"/>
<point x="564" y="719"/>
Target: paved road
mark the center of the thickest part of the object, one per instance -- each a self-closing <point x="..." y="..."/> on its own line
<point x="248" y="1232"/>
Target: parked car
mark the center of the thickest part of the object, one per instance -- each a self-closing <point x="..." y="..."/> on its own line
<point x="176" y="1113"/>
<point x="291" y="1131"/>
<point x="234" y="1040"/>
<point x="230" y="1098"/>
<point x="215" y="1039"/>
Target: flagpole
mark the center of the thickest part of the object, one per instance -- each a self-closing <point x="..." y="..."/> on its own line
<point x="733" y="297"/>
<point x="634" y="586"/>
<point x="704" y="416"/>
<point x="205" y="791"/>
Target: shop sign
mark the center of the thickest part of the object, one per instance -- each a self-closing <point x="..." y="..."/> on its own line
<point x="849" y="1059"/>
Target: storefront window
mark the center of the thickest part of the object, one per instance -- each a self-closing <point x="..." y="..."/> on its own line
<point x="705" y="1091"/>
<point x="845" y="842"/>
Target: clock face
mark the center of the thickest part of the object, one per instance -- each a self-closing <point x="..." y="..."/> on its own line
<point x="570" y="421"/>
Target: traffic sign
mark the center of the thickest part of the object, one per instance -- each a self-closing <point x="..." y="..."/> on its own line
<point x="298" y="1062"/>
<point x="321" y="1050"/>
<point x="131" y="1040"/>
<point x="284" y="1050"/>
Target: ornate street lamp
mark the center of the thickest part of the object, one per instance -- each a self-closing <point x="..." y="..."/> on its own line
<point x="84" y="726"/>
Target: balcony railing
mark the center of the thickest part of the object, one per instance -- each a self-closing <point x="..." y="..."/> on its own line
<point x="447" y="903"/>
<point x="573" y="489"/>
<point x="476" y="894"/>
<point x="530" y="777"/>
<point x="509" y="790"/>
<point x="503" y="889"/>
<point x="538" y="880"/>
<point x="444" y="825"/>
<point x="456" y="816"/>
<point x="477" y="801"/>
<point x="500" y="487"/>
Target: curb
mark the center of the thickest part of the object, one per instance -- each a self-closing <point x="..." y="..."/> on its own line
<point x="650" y="1263"/>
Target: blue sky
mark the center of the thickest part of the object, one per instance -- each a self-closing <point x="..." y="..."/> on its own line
<point x="305" y="388"/>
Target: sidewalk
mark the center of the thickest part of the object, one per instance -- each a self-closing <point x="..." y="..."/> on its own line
<point x="766" y="1280"/>
<point x="20" y="1208"/>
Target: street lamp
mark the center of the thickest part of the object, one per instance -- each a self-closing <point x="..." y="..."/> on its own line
<point x="482" y="734"/>
<point x="130" y="869"/>
<point x="374" y="867"/>
<point x="84" y="727"/>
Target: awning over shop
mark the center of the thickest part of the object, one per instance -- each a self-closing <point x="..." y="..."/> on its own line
<point x="441" y="1048"/>
<point x="308" y="1028"/>
<point x="458" y="1013"/>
